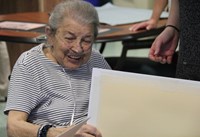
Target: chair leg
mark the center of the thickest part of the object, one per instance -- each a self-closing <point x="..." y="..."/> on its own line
<point x="102" y="47"/>
<point x="131" y="44"/>
<point x="3" y="99"/>
<point x="122" y="59"/>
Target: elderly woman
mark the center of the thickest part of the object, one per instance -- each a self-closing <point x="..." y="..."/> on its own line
<point x="50" y="84"/>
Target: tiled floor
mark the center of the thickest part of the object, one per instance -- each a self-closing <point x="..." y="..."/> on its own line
<point x="114" y="50"/>
<point x="2" y="119"/>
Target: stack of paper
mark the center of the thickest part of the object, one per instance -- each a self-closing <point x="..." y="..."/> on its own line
<point x="115" y="15"/>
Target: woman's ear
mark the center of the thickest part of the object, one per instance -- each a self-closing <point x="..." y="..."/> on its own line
<point x="49" y="34"/>
<point x="48" y="30"/>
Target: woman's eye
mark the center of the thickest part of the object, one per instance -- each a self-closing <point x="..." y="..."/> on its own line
<point x="69" y="39"/>
<point x="88" y="41"/>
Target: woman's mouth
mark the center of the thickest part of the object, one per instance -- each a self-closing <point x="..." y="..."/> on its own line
<point x="74" y="57"/>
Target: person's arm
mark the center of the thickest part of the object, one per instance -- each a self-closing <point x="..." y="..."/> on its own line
<point x="159" y="6"/>
<point x="173" y="18"/>
<point x="165" y="44"/>
<point x="17" y="126"/>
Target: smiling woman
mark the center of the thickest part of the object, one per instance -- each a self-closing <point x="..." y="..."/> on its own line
<point x="71" y="37"/>
<point x="71" y="44"/>
<point x="55" y="76"/>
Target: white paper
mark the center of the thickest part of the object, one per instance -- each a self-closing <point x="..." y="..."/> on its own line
<point x="73" y="129"/>
<point x="102" y="30"/>
<point x="137" y="105"/>
<point x="115" y="15"/>
<point x="20" y="25"/>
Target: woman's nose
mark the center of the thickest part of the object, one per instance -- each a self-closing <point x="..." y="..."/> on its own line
<point x="77" y="47"/>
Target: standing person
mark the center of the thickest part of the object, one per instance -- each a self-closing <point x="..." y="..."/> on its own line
<point x="4" y="70"/>
<point x="50" y="84"/>
<point x="184" y="14"/>
<point x="158" y="8"/>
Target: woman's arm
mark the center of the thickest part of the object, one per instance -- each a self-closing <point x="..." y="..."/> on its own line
<point x="173" y="18"/>
<point x="164" y="46"/>
<point x="159" y="6"/>
<point x="17" y="126"/>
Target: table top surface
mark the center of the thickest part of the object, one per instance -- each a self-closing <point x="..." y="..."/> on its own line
<point x="114" y="33"/>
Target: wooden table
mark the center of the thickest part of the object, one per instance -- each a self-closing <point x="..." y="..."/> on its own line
<point x="116" y="33"/>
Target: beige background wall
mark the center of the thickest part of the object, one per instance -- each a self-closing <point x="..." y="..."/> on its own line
<point x="134" y="3"/>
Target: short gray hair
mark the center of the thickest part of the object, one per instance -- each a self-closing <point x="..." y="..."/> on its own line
<point x="79" y="10"/>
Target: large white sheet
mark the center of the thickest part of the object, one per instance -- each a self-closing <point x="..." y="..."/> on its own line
<point x="125" y="104"/>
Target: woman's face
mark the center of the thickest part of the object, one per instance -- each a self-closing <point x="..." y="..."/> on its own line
<point x="72" y="44"/>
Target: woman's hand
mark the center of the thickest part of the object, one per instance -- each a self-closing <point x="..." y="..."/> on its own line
<point x="88" y="131"/>
<point x="150" y="24"/>
<point x="164" y="46"/>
